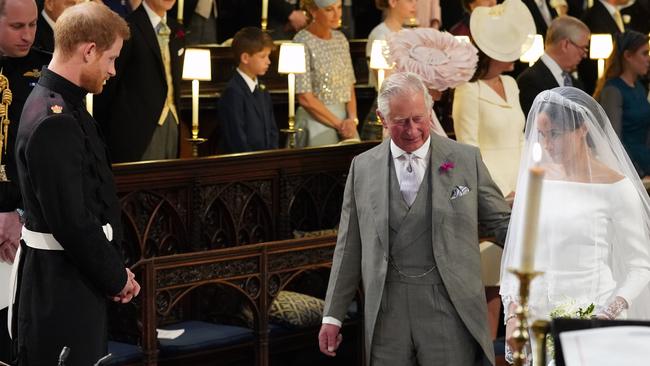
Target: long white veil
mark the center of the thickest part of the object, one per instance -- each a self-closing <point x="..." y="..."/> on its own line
<point x="593" y="242"/>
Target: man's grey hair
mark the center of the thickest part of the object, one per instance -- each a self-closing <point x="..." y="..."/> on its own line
<point x="565" y="27"/>
<point x="401" y="83"/>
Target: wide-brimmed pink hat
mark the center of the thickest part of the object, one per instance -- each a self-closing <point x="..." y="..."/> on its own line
<point x="441" y="60"/>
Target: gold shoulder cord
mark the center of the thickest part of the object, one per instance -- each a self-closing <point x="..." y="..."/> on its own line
<point x="5" y="101"/>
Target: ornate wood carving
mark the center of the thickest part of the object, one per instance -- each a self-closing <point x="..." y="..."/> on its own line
<point x="189" y="205"/>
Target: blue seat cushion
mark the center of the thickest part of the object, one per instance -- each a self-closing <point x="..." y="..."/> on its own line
<point x="122" y="353"/>
<point x="201" y="335"/>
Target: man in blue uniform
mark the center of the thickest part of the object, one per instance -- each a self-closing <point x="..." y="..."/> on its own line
<point x="20" y="66"/>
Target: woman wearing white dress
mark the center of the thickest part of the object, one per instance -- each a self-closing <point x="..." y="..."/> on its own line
<point x="592" y="242"/>
<point x="486" y="111"/>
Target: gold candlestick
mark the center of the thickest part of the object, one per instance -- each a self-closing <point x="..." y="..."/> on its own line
<point x="291" y="131"/>
<point x="520" y="334"/>
<point x="540" y="330"/>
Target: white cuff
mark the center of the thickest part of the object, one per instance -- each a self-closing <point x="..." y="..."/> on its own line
<point x="331" y="320"/>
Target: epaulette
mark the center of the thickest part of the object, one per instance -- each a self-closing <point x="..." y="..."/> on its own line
<point x="56" y="104"/>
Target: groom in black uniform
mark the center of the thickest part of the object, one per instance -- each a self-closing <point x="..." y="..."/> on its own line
<point x="70" y="263"/>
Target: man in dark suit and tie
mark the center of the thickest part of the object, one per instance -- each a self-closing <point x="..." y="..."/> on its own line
<point x="246" y="120"/>
<point x="639" y="16"/>
<point x="603" y="17"/>
<point x="139" y="108"/>
<point x="543" y="14"/>
<point x="567" y="42"/>
<point x="52" y="10"/>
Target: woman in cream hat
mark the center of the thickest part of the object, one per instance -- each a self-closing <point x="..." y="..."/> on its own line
<point x="487" y="113"/>
<point x="442" y="61"/>
<point x="328" y="106"/>
<point x="486" y="110"/>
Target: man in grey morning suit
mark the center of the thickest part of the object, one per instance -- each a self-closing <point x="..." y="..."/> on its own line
<point x="409" y="232"/>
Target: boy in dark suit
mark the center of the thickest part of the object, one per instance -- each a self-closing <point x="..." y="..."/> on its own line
<point x="246" y="121"/>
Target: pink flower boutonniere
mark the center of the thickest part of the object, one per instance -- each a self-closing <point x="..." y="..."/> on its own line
<point x="446" y="167"/>
<point x="180" y="34"/>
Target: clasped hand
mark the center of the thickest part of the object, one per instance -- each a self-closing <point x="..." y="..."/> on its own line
<point x="347" y="129"/>
<point x="10" y="228"/>
<point x="130" y="290"/>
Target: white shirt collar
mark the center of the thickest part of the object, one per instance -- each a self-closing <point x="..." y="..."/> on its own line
<point x="610" y="8"/>
<point x="153" y="17"/>
<point x="47" y="18"/>
<point x="250" y="82"/>
<point x="554" y="68"/>
<point x="421" y="152"/>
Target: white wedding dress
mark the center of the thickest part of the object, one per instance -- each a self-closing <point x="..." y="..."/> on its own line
<point x="576" y="243"/>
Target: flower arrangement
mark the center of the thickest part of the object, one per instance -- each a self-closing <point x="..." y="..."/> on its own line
<point x="180" y="33"/>
<point x="571" y="310"/>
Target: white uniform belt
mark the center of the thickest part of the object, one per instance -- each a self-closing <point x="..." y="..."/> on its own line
<point x="43" y="241"/>
<point x="46" y="241"/>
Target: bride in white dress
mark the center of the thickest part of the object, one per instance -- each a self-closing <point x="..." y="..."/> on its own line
<point x="593" y="243"/>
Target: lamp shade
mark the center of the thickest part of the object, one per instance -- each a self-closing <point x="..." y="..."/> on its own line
<point x="463" y="39"/>
<point x="535" y="49"/>
<point x="292" y="58"/>
<point x="377" y="58"/>
<point x="196" y="65"/>
<point x="600" y="46"/>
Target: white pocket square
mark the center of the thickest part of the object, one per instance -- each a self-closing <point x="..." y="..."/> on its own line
<point x="459" y="191"/>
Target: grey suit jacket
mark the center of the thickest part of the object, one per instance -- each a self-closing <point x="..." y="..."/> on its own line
<point x="362" y="247"/>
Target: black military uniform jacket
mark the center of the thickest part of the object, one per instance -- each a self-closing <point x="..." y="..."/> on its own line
<point x="68" y="191"/>
<point x="22" y="73"/>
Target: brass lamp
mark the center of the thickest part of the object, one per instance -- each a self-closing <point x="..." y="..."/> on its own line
<point x="378" y="62"/>
<point x="265" y="14"/>
<point x="292" y="62"/>
<point x="196" y="66"/>
<point x="600" y="47"/>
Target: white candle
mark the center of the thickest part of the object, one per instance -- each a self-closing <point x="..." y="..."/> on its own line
<point x="195" y="108"/>
<point x="89" y="103"/>
<point x="292" y="94"/>
<point x="601" y="67"/>
<point x="531" y="215"/>
<point x="265" y="9"/>
<point x="380" y="78"/>
<point x="180" y="11"/>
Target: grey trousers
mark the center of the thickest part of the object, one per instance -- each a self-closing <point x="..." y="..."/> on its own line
<point x="418" y="325"/>
<point x="164" y="142"/>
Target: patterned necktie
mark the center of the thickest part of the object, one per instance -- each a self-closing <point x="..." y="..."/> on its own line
<point x="409" y="183"/>
<point x="567" y="79"/>
<point x="619" y="21"/>
<point x="162" y="33"/>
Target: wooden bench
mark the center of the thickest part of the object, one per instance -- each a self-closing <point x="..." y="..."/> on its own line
<point x="172" y="298"/>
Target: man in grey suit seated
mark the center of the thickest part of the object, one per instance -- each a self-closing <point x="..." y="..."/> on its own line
<point x="409" y="233"/>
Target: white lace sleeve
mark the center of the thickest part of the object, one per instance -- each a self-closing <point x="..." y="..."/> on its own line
<point x="631" y="252"/>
